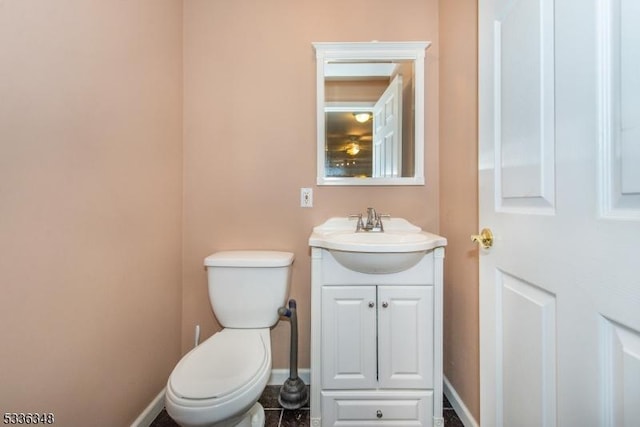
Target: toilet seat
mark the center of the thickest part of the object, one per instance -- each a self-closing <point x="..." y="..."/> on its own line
<point x="220" y="366"/>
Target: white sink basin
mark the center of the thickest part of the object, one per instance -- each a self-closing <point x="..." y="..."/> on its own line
<point x="398" y="248"/>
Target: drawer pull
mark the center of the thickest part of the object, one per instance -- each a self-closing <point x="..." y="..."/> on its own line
<point x="379" y="413"/>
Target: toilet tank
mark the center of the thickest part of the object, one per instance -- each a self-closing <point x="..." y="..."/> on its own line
<point x="246" y="288"/>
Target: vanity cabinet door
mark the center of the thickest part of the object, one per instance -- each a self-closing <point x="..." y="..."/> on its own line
<point x="348" y="337"/>
<point x="405" y="337"/>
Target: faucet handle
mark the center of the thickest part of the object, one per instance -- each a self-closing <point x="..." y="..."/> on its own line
<point x="360" y="224"/>
<point x="379" y="221"/>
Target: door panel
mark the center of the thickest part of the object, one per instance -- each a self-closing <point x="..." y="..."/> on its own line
<point x="524" y="108"/>
<point x="348" y="337"/>
<point x="405" y="331"/>
<point x="526" y="337"/>
<point x="621" y="374"/>
<point x="619" y="68"/>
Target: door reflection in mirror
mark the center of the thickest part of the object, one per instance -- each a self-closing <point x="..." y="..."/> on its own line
<point x="375" y="146"/>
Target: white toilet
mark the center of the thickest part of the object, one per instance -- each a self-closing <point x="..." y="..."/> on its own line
<point x="218" y="383"/>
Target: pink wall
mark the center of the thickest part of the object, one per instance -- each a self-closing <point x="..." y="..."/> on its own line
<point x="90" y="206"/>
<point x="459" y="196"/>
<point x="249" y="145"/>
<point x="112" y="191"/>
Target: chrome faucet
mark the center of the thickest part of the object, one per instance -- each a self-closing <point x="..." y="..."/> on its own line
<point x="373" y="220"/>
<point x="373" y="223"/>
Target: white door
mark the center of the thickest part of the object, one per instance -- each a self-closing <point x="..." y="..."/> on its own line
<point x="387" y="131"/>
<point x="559" y="186"/>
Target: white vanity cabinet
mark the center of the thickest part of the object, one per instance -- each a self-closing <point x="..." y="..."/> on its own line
<point x="376" y="343"/>
<point x="377" y="337"/>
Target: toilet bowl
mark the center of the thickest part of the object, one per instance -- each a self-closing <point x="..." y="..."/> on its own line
<point x="219" y="382"/>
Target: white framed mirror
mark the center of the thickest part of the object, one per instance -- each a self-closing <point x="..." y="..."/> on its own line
<point x="370" y="113"/>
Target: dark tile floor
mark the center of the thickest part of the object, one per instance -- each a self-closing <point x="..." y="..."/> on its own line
<point x="450" y="417"/>
<point x="278" y="417"/>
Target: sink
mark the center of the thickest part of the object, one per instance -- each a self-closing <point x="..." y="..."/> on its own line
<point x="401" y="246"/>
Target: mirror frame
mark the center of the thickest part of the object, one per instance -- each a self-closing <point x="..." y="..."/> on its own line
<point x="374" y="51"/>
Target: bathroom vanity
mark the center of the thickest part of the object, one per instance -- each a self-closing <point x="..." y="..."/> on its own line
<point x="376" y="325"/>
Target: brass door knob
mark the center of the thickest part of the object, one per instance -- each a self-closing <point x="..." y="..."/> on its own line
<point x="484" y="239"/>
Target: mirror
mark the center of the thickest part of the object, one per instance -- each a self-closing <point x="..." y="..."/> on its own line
<point x="370" y="113"/>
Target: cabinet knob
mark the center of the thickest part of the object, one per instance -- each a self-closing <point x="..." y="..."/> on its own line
<point x="385" y="304"/>
<point x="372" y="304"/>
<point x="379" y="413"/>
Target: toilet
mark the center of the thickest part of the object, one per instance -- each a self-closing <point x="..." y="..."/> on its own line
<point x="218" y="383"/>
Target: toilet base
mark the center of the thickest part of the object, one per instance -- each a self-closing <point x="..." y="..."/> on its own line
<point x="254" y="418"/>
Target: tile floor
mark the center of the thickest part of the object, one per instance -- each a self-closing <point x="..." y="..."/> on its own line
<point x="278" y="417"/>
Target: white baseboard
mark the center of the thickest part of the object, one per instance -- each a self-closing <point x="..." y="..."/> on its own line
<point x="150" y="412"/>
<point x="279" y="376"/>
<point x="458" y="405"/>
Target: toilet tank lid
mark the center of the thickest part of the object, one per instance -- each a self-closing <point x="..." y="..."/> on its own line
<point x="249" y="259"/>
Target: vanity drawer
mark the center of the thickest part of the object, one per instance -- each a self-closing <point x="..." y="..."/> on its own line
<point x="377" y="408"/>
